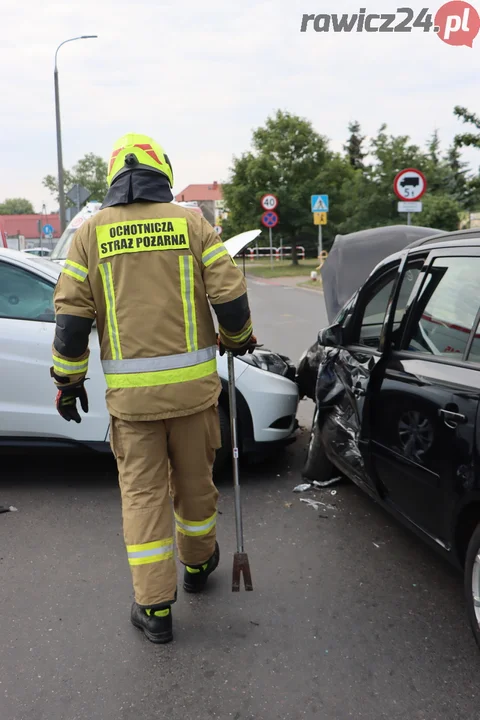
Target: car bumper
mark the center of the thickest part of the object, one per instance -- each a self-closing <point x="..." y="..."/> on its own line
<point x="273" y="402"/>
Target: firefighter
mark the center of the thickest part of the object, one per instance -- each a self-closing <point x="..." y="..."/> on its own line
<point x="145" y="270"/>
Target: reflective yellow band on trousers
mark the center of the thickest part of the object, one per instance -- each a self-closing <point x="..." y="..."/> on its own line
<point x="151" y="552"/>
<point x="240" y="337"/>
<point x="214" y="253"/>
<point x="110" y="306"/>
<point x="135" y="236"/>
<point x="75" y="270"/>
<point x="69" y="367"/>
<point x="195" y="528"/>
<point x="187" y="289"/>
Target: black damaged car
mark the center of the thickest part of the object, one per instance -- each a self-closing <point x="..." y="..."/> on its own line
<point x="396" y="381"/>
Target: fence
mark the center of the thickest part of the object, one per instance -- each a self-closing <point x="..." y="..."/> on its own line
<point x="22" y="243"/>
<point x="258" y="253"/>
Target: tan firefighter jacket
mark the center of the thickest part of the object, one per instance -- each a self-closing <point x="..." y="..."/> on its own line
<point x="145" y="272"/>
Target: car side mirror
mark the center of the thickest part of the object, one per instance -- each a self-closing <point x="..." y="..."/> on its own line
<point x="331" y="336"/>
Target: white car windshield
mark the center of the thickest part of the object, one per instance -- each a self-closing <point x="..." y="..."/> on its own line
<point x="61" y="249"/>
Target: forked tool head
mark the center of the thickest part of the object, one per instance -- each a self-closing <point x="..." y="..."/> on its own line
<point x="241" y="566"/>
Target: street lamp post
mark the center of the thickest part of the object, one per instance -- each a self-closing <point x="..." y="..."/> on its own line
<point x="61" y="192"/>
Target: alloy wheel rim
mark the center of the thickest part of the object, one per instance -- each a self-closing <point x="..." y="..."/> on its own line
<point x="476" y="587"/>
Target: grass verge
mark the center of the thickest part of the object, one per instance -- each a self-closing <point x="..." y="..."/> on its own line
<point x="283" y="268"/>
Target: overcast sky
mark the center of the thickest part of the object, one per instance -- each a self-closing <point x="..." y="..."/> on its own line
<point x="199" y="77"/>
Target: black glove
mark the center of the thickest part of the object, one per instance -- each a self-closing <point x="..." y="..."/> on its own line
<point x="66" y="401"/>
<point x="249" y="347"/>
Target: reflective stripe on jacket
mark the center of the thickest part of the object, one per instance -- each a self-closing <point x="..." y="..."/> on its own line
<point x="145" y="272"/>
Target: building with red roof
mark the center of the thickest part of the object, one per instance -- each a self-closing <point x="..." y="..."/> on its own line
<point x="200" y="193"/>
<point x="28" y="225"/>
<point x="208" y="196"/>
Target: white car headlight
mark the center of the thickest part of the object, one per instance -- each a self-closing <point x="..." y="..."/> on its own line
<point x="266" y="360"/>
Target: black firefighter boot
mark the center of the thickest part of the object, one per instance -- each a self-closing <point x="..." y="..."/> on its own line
<point x="195" y="576"/>
<point x="156" y="624"/>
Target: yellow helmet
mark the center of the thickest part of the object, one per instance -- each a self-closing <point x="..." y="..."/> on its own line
<point x="138" y="151"/>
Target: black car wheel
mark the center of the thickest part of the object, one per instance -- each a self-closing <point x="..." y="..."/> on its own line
<point x="472" y="583"/>
<point x="317" y="466"/>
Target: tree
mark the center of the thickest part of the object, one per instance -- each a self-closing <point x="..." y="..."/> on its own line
<point x="354" y="146"/>
<point x="470" y="139"/>
<point x="459" y="184"/>
<point x="435" y="168"/>
<point x="16" y="206"/>
<point x="90" y="171"/>
<point x="369" y="200"/>
<point x="439" y="211"/>
<point x="287" y="159"/>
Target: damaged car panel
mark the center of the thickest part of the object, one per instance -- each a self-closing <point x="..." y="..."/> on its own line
<point x="397" y="393"/>
<point x="340" y="396"/>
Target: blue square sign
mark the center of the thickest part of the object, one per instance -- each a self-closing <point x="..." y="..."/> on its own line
<point x="319" y="203"/>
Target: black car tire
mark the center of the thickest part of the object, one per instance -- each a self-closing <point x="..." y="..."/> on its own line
<point x="472" y="552"/>
<point x="317" y="466"/>
<point x="223" y="453"/>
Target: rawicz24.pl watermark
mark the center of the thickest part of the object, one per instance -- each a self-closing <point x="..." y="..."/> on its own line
<point x="456" y="22"/>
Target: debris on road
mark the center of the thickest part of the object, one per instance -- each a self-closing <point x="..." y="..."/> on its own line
<point x="334" y="492"/>
<point x="316" y="504"/>
<point x="327" y="483"/>
<point x="4" y="509"/>
<point x="377" y="546"/>
<point x="313" y="503"/>
<point x="302" y="488"/>
<point x="287" y="505"/>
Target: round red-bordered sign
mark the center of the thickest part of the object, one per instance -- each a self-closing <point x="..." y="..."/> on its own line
<point x="76" y="222"/>
<point x="410" y="184"/>
<point x="269" y="201"/>
<point x="269" y="219"/>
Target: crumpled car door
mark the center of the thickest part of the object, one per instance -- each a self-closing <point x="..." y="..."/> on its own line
<point x="341" y="389"/>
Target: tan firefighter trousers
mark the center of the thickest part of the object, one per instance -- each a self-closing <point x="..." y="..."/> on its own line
<point x="144" y="450"/>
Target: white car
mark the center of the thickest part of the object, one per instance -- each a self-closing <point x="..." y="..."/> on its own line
<point x="267" y="395"/>
<point x="38" y="251"/>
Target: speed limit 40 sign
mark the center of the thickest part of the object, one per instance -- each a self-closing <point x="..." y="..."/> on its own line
<point x="269" y="202"/>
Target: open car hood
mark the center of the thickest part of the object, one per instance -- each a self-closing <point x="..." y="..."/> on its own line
<point x="354" y="256"/>
<point x="237" y="243"/>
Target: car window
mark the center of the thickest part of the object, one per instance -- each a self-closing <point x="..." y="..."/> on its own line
<point x="377" y="305"/>
<point x="24" y="296"/>
<point x="446" y="307"/>
<point x="374" y="313"/>
<point x="474" y="354"/>
<point x="408" y="283"/>
<point x="346" y="312"/>
<point x="60" y="251"/>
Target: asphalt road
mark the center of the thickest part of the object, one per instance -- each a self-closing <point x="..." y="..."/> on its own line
<point x="351" y="616"/>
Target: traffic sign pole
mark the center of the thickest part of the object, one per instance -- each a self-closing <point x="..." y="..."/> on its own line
<point x="271" y="247"/>
<point x="319" y="240"/>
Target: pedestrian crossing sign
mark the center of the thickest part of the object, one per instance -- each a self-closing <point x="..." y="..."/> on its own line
<point x="320" y="218"/>
<point x="319" y="203"/>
